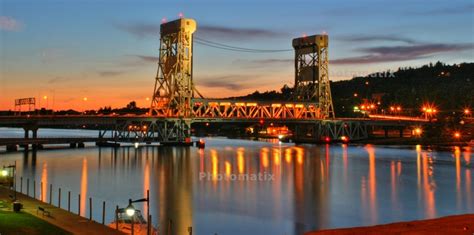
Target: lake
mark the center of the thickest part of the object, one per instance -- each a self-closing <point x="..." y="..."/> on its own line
<point x="253" y="187"/>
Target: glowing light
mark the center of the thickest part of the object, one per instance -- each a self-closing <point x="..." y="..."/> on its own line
<point x="418" y="131"/>
<point x="355" y="95"/>
<point x="45" y="97"/>
<point x="344" y="138"/>
<point x="327" y="139"/>
<point x="457" y="134"/>
<point x="467" y="111"/>
<point x="4" y="172"/>
<point x="130" y="211"/>
<point x="227" y="168"/>
<point x="136" y="144"/>
<point x="85" y="98"/>
<point x="280" y="136"/>
<point x="181" y="15"/>
<point x="164" y="20"/>
<point x="147" y="98"/>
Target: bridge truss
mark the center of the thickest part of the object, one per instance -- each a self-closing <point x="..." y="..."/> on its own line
<point x="174" y="91"/>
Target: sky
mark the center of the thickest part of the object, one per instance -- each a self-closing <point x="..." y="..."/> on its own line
<point x="107" y="50"/>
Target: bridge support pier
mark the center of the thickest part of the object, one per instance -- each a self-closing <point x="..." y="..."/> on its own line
<point x="12" y="148"/>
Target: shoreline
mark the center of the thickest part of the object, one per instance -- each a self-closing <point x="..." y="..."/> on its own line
<point x="453" y="224"/>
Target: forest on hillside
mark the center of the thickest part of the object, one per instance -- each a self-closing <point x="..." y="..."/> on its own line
<point x="449" y="87"/>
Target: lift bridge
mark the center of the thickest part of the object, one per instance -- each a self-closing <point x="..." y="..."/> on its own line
<point x="176" y="102"/>
<point x="175" y="94"/>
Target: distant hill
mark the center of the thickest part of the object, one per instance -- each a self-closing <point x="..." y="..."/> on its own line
<point x="449" y="87"/>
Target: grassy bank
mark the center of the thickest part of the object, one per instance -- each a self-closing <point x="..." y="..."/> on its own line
<point x="24" y="223"/>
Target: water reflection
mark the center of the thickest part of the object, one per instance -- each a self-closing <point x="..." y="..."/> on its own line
<point x="44" y="182"/>
<point x="313" y="187"/>
<point x="176" y="192"/>
<point x="83" y="187"/>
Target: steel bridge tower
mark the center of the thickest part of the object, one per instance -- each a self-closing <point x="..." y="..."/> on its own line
<point x="312" y="73"/>
<point x="174" y="86"/>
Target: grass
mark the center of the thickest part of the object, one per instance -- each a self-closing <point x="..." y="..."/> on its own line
<point x="23" y="223"/>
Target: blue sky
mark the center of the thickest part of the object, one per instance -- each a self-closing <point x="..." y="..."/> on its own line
<point x="106" y="49"/>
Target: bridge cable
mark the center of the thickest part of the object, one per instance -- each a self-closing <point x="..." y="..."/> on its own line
<point x="234" y="48"/>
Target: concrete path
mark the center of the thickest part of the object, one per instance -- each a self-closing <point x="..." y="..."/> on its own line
<point x="59" y="217"/>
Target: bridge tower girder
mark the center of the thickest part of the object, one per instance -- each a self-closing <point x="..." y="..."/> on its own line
<point x="312" y="73"/>
<point x="174" y="88"/>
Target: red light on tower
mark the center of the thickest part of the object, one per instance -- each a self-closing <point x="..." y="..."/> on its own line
<point x="261" y="121"/>
<point x="327" y="139"/>
<point x="181" y="15"/>
<point x="164" y="20"/>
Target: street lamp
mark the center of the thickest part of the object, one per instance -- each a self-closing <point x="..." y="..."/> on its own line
<point x="5" y="173"/>
<point x="130" y="210"/>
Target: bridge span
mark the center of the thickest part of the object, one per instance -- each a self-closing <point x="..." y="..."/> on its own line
<point x="145" y="128"/>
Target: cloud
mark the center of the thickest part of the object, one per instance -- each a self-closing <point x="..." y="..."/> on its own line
<point x="110" y="73"/>
<point x="10" y="24"/>
<point x="401" y="53"/>
<point x="140" y="30"/>
<point x="449" y="10"/>
<point x="230" y="82"/>
<point x="145" y="58"/>
<point x="231" y="33"/>
<point x="143" y="30"/>
<point x="57" y="80"/>
<point x="373" y="38"/>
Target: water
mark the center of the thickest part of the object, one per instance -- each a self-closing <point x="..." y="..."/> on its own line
<point x="312" y="187"/>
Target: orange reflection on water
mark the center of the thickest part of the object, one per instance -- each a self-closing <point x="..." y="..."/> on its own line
<point x="288" y="155"/>
<point x="344" y="162"/>
<point x="240" y="160"/>
<point x="372" y="183"/>
<point x="201" y="160"/>
<point x="83" y="187"/>
<point x="299" y="155"/>
<point x="264" y="157"/>
<point x="44" y="180"/>
<point x="467" y="159"/>
<point x="429" y="197"/>
<point x="214" y="164"/>
<point x="457" y="160"/>
<point x="418" y="164"/>
<point x="228" y="167"/>
<point x="276" y="157"/>
<point x="468" y="189"/>
<point x="467" y="155"/>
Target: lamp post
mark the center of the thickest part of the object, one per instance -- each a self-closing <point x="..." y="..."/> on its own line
<point x="5" y="173"/>
<point x="130" y="210"/>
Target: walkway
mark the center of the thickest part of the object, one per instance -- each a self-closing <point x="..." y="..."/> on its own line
<point x="59" y="217"/>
